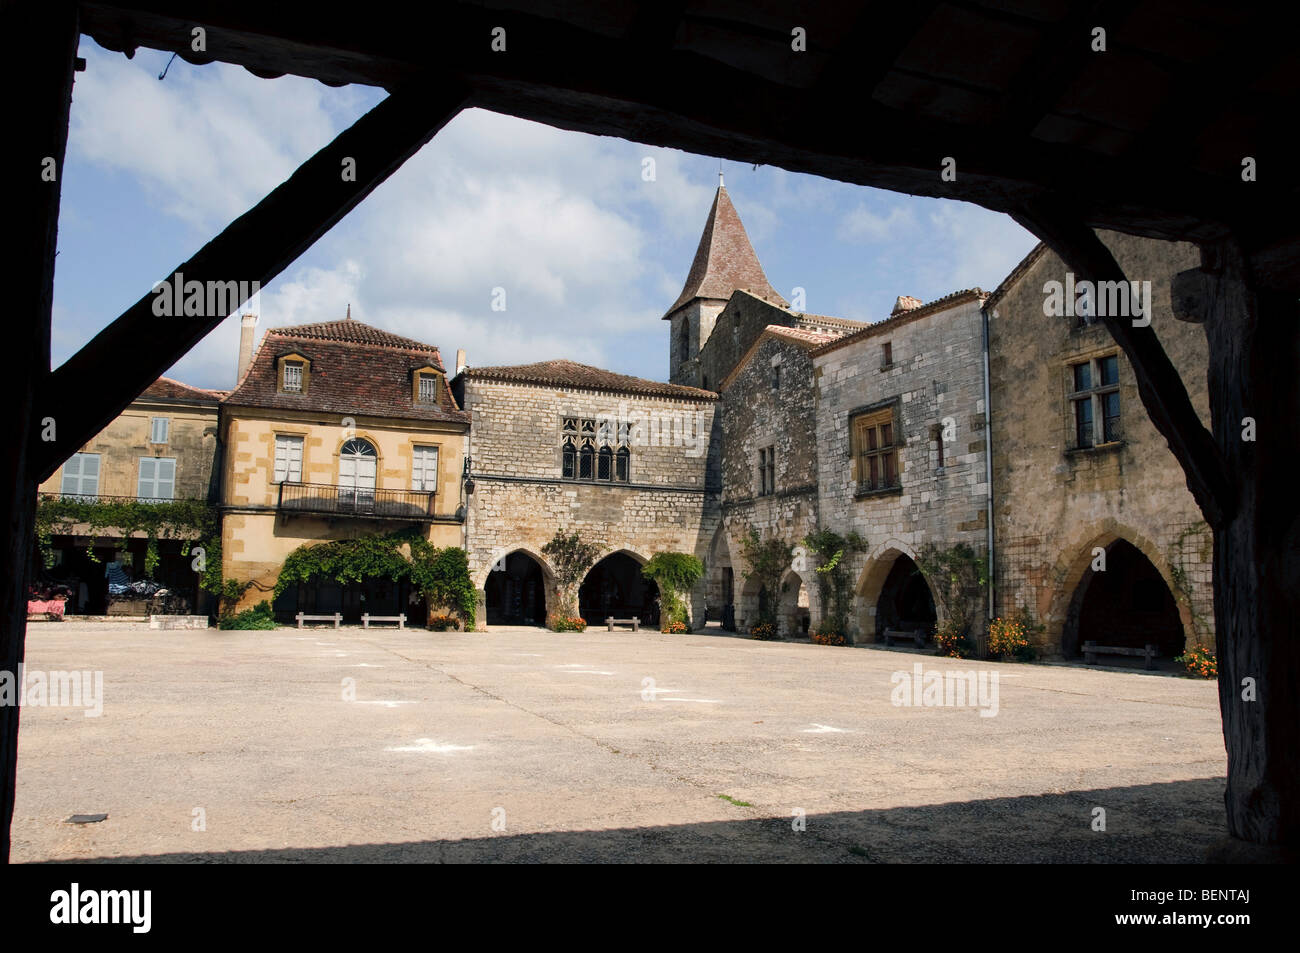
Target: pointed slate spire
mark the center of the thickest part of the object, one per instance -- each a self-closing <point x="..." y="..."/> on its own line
<point x="724" y="260"/>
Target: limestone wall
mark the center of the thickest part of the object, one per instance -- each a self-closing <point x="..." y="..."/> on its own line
<point x="1054" y="505"/>
<point x="936" y="379"/>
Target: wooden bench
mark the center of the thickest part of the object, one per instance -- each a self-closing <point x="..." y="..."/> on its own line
<point x="1091" y="650"/>
<point x="367" y="618"/>
<point x="634" y="623"/>
<point x="336" y="618"/>
<point x="915" y="636"/>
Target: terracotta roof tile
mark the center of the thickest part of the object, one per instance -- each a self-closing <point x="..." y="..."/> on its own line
<point x="165" y="388"/>
<point x="900" y="318"/>
<point x="355" y="369"/>
<point x="584" y="377"/>
<point x="725" y="260"/>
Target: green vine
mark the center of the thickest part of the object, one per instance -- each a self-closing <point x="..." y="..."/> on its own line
<point x="165" y="520"/>
<point x="833" y="582"/>
<point x="571" y="557"/>
<point x="676" y="574"/>
<point x="957" y="577"/>
<point x="1183" y="585"/>
<point x="440" y="575"/>
<point x="768" y="559"/>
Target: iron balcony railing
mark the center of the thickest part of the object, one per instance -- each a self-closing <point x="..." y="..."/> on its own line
<point x="334" y="500"/>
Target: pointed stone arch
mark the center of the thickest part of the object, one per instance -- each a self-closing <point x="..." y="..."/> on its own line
<point x="871" y="584"/>
<point x="1074" y="563"/>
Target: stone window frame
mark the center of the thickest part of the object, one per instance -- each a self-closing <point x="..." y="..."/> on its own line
<point x="582" y="441"/>
<point x="766" y="469"/>
<point x="1095" y="393"/>
<point x="857" y="418"/>
<point x="886" y="355"/>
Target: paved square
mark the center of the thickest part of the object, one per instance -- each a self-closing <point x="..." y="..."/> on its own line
<point x="522" y="744"/>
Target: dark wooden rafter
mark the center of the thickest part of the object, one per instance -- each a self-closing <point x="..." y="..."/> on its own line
<point x="1057" y="63"/>
<point x="1159" y="384"/>
<point x="99" y="381"/>
<point x="867" y="52"/>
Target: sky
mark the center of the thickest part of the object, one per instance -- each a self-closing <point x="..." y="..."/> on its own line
<point x="589" y="253"/>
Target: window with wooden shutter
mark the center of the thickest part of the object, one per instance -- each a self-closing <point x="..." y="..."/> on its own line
<point x="875" y="450"/>
<point x="157" y="478"/>
<point x="424" y="469"/>
<point x="288" y="458"/>
<point x="81" y="475"/>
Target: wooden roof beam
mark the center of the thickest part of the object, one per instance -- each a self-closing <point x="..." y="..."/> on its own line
<point x="113" y="368"/>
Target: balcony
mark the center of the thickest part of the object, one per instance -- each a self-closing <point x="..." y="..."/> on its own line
<point x="332" y="500"/>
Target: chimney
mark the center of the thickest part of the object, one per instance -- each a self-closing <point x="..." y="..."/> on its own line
<point x="247" y="330"/>
<point x="460" y="360"/>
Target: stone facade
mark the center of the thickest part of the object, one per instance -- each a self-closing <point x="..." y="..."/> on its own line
<point x="932" y="381"/>
<point x="521" y="497"/>
<point x="1057" y="505"/>
<point x="190" y="440"/>
<point x="768" y="420"/>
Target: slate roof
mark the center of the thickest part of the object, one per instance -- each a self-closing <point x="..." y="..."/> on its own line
<point x="355" y="369"/>
<point x="725" y="260"/>
<point x="584" y="377"/>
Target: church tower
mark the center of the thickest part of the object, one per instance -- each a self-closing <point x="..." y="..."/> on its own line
<point x="724" y="262"/>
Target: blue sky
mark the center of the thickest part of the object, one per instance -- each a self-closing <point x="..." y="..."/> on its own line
<point x="588" y="252"/>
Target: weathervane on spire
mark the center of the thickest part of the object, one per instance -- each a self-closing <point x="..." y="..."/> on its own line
<point x="721" y="184"/>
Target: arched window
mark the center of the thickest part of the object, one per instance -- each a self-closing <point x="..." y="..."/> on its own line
<point x="357" y="467"/>
<point x="586" y="460"/>
<point x="605" y="464"/>
<point x="685" y="341"/>
<point x="622" y="465"/>
<point x="570" y="460"/>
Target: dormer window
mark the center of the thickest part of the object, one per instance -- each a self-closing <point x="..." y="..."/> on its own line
<point x="426" y="382"/>
<point x="293" y="373"/>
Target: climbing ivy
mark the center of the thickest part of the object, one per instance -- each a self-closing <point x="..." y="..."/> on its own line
<point x="164" y="520"/>
<point x="571" y="556"/>
<point x="768" y="559"/>
<point x="833" y="582"/>
<point x="957" y="577"/>
<point x="676" y="575"/>
<point x="441" y="575"/>
<point x="1183" y="584"/>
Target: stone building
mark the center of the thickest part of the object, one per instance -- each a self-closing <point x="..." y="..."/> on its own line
<point x="769" y="472"/>
<point x="901" y="439"/>
<point x="1097" y="535"/>
<point x="337" y="430"/>
<point x="630" y="464"/>
<point x="163" y="447"/>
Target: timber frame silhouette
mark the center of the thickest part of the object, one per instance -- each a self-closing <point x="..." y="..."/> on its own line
<point x="1039" y="120"/>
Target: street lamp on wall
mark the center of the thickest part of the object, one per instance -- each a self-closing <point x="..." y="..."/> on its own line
<point x="468" y="476"/>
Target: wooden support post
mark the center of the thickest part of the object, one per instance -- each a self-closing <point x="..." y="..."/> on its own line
<point x="1242" y="480"/>
<point x="31" y="167"/>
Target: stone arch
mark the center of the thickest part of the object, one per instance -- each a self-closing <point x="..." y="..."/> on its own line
<point x="795" y="603"/>
<point x="721" y="585"/>
<point x="1072" y="566"/>
<point x="518" y="588"/>
<point x="481" y="576"/>
<point x="876" y="572"/>
<point x="614" y="586"/>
